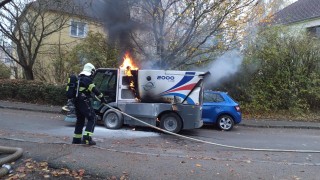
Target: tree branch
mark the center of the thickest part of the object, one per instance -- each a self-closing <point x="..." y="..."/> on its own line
<point x="4" y="2"/>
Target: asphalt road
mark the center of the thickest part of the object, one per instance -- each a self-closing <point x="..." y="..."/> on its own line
<point x="143" y="153"/>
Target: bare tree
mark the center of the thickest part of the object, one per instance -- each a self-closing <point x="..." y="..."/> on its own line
<point x="27" y="24"/>
<point x="187" y="31"/>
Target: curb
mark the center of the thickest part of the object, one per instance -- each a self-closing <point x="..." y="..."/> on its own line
<point x="33" y="110"/>
<point x="279" y="126"/>
<point x="245" y="124"/>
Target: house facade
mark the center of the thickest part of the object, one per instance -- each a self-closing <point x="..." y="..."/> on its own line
<point x="61" y="42"/>
<point x="77" y="26"/>
<point x="302" y="15"/>
<point x="58" y="26"/>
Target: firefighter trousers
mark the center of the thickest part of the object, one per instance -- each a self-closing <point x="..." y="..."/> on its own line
<point x="84" y="110"/>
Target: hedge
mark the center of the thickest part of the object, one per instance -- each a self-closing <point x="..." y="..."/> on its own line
<point x="32" y="92"/>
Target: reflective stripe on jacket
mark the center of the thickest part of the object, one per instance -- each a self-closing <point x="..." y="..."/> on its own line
<point x="87" y="86"/>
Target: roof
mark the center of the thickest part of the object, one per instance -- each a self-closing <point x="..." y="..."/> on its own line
<point x="299" y="11"/>
<point x="86" y="8"/>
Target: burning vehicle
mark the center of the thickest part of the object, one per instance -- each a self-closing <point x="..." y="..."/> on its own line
<point x="169" y="99"/>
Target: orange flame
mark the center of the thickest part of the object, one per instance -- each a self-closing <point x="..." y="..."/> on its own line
<point x="127" y="66"/>
<point x="127" y="63"/>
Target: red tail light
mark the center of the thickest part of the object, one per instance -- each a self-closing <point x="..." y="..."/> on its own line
<point x="237" y="108"/>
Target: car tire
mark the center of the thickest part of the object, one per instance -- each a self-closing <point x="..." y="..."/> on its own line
<point x="112" y="119"/>
<point x="171" y="122"/>
<point x="225" y="122"/>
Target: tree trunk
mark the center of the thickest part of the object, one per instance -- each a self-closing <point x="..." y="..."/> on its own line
<point x="28" y="73"/>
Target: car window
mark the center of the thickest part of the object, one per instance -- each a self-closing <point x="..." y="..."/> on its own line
<point x="210" y="97"/>
<point x="106" y="81"/>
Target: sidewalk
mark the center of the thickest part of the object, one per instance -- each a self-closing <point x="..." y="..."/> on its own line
<point x="29" y="107"/>
<point x="245" y="122"/>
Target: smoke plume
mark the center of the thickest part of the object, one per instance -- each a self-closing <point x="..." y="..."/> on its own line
<point x="115" y="16"/>
<point x="223" y="68"/>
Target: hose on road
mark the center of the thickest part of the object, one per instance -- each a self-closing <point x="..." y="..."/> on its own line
<point x="15" y="153"/>
<point x="212" y="143"/>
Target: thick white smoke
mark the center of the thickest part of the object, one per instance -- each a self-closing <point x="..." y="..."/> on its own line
<point x="223" y="67"/>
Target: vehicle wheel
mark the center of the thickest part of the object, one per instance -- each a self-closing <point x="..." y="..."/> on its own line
<point x="171" y="122"/>
<point x="225" y="122"/>
<point x="112" y="119"/>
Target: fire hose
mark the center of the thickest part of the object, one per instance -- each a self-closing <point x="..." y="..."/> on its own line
<point x="212" y="143"/>
<point x="16" y="153"/>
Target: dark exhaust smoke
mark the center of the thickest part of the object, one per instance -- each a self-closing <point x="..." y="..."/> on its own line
<point x="115" y="15"/>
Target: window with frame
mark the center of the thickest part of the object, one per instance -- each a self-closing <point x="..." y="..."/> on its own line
<point x="78" y="29"/>
<point x="315" y="31"/>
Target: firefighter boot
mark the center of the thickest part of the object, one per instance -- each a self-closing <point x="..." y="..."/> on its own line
<point x="76" y="140"/>
<point x="88" y="140"/>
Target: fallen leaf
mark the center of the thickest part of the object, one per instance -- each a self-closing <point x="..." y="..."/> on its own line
<point x="43" y="164"/>
<point x="123" y="177"/>
<point x="81" y="172"/>
<point x="46" y="176"/>
<point x="55" y="173"/>
<point x="28" y="160"/>
<point x="29" y="165"/>
<point x="22" y="175"/>
<point x="21" y="169"/>
<point x="198" y="165"/>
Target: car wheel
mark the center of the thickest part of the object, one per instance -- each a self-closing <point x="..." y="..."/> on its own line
<point x="171" y="122"/>
<point x="225" y="122"/>
<point x="112" y="119"/>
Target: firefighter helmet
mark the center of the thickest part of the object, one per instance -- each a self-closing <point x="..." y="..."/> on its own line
<point x="88" y="69"/>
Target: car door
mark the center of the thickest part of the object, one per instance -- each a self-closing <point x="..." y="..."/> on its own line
<point x="105" y="80"/>
<point x="211" y="107"/>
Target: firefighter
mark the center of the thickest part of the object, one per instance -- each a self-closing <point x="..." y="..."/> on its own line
<point x="84" y="108"/>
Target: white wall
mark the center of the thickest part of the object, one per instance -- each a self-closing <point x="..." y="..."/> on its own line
<point x="303" y="25"/>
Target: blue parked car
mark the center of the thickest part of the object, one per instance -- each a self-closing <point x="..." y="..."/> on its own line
<point x="220" y="109"/>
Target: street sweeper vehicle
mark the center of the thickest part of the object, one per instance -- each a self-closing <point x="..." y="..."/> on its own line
<point x="169" y="99"/>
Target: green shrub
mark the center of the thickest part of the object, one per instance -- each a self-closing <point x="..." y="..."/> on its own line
<point x="4" y="71"/>
<point x="286" y="75"/>
<point x="32" y="92"/>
